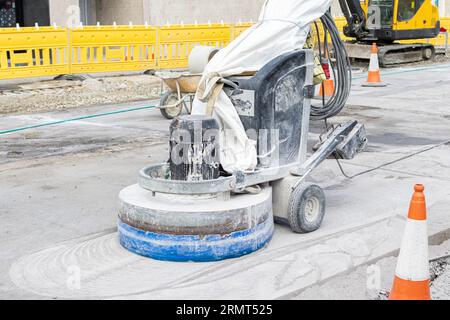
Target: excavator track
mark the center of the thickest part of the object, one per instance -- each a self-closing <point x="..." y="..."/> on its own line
<point x="405" y="53"/>
<point x="392" y="54"/>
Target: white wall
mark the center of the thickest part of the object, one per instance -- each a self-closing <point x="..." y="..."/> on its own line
<point x="159" y="12"/>
<point x="120" y="11"/>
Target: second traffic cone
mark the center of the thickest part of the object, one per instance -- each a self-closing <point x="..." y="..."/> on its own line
<point x="412" y="277"/>
<point x="327" y="87"/>
<point x="374" y="77"/>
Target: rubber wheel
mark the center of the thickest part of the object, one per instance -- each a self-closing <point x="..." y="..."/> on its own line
<point x="428" y="54"/>
<point x="167" y="99"/>
<point x="306" y="208"/>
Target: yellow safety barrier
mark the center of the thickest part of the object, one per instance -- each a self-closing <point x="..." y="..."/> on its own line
<point x="47" y="51"/>
<point x="240" y="28"/>
<point x="110" y="49"/>
<point x="50" y="51"/>
<point x="31" y="52"/>
<point x="177" y="41"/>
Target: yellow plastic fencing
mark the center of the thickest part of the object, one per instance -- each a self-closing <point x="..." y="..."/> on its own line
<point x="240" y="28"/>
<point x="49" y="51"/>
<point x="176" y="42"/>
<point x="33" y="52"/>
<point x="110" y="49"/>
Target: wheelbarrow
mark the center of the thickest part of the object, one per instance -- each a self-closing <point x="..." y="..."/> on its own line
<point x="181" y="86"/>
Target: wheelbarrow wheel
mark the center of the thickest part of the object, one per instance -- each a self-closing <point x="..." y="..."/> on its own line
<point x="170" y="98"/>
<point x="306" y="208"/>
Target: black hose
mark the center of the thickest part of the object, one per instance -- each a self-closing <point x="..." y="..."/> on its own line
<point x="342" y="72"/>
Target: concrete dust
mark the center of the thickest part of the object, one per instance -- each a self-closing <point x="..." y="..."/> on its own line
<point x="45" y="148"/>
<point x="61" y="94"/>
<point x="440" y="288"/>
<point x="440" y="270"/>
<point x="73" y="195"/>
<point x="107" y="270"/>
<point x="361" y="284"/>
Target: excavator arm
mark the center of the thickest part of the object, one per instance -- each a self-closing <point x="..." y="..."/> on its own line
<point x="356" y="19"/>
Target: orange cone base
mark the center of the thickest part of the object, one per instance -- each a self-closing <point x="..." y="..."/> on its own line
<point x="410" y="290"/>
<point x="374" y="84"/>
<point x="374" y="80"/>
<point x="329" y="88"/>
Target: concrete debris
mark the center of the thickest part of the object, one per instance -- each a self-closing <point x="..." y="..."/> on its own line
<point x="440" y="288"/>
<point x="63" y="94"/>
<point x="354" y="286"/>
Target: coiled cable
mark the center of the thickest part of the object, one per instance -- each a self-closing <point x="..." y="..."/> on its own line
<point x="341" y="69"/>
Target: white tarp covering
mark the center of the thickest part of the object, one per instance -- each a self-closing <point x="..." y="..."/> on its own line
<point x="283" y="26"/>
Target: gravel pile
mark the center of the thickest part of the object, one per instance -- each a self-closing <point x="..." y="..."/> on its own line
<point x="60" y="95"/>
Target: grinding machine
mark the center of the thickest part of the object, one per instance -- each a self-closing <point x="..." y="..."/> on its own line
<point x="190" y="209"/>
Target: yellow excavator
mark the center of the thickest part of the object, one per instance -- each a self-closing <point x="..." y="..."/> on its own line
<point x="386" y="22"/>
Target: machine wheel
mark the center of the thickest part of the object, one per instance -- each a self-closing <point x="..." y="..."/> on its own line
<point x="306" y="208"/>
<point x="428" y="53"/>
<point x="170" y="98"/>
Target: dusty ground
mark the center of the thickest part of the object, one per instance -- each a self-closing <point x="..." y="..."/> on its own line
<point x="53" y="95"/>
<point x="358" y="285"/>
<point x="59" y="187"/>
<point x="63" y="94"/>
<point x="440" y="289"/>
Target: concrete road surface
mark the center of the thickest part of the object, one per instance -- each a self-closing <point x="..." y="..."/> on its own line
<point x="59" y="205"/>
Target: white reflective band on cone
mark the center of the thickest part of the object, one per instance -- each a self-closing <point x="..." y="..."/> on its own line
<point x="413" y="262"/>
<point x="374" y="65"/>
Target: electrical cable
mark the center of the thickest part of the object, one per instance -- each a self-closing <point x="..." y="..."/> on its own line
<point x="342" y="72"/>
<point x="391" y="162"/>
<point x="319" y="45"/>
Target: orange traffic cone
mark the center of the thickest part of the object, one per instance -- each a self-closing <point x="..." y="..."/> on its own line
<point x="412" y="277"/>
<point x="374" y="77"/>
<point x="327" y="87"/>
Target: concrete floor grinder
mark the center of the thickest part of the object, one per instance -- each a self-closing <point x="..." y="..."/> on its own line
<point x="188" y="209"/>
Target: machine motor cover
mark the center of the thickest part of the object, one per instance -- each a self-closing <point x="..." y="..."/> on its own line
<point x="273" y="107"/>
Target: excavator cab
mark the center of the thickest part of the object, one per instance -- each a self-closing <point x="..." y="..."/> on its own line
<point x="415" y="19"/>
<point x="390" y="20"/>
<point x="380" y="14"/>
<point x="386" y="22"/>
